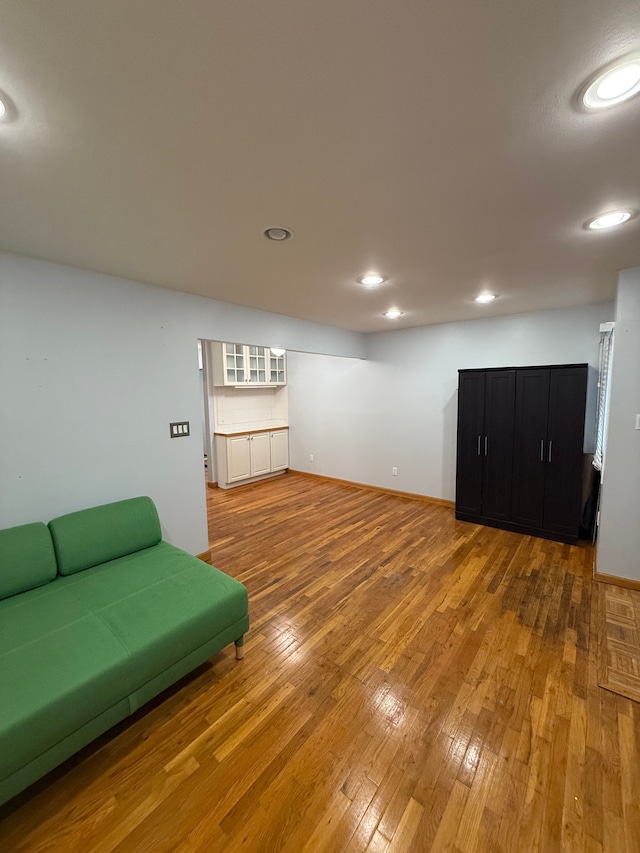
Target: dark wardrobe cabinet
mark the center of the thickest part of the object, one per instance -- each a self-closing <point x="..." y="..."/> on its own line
<point x="520" y="448"/>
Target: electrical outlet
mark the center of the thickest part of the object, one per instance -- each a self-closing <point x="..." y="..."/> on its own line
<point x="311" y="457"/>
<point x="394" y="471"/>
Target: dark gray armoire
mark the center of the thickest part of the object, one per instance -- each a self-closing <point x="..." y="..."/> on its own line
<point x="520" y="448"/>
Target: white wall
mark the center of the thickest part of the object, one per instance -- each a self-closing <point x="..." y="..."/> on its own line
<point x="399" y="408"/>
<point x="93" y="369"/>
<point x="619" y="532"/>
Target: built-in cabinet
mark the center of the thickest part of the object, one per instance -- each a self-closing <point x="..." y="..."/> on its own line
<point x="249" y="408"/>
<point x="279" y="449"/>
<point x="235" y="450"/>
<point x="520" y="449"/>
<point x="251" y="456"/>
<point x="277" y="368"/>
<point x="247" y="365"/>
<point x="230" y="364"/>
<point x="247" y="456"/>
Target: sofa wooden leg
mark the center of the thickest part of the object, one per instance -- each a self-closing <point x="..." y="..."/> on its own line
<point x="240" y="648"/>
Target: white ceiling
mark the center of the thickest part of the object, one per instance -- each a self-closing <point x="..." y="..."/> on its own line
<point x="437" y="142"/>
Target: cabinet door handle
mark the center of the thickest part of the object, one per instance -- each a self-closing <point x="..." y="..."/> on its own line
<point x="550" y="446"/>
<point x="479" y="437"/>
<point x="486" y="444"/>
<point x="542" y="449"/>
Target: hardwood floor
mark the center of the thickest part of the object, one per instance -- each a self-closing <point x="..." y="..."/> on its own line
<point x="411" y="683"/>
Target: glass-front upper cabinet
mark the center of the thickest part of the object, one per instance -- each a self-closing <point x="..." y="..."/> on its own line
<point x="277" y="368"/>
<point x="234" y="364"/>
<point x="257" y="364"/>
<point x="247" y="365"/>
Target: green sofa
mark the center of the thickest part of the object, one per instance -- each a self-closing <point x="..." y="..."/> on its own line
<point x="97" y="616"/>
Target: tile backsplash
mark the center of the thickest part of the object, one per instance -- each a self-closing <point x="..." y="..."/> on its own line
<point x="251" y="408"/>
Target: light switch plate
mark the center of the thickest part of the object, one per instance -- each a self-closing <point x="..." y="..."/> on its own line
<point x="637" y="421"/>
<point x="179" y="429"/>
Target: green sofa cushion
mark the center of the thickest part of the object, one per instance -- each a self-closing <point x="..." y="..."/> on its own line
<point x="171" y="604"/>
<point x="60" y="666"/>
<point x="93" y="536"/>
<point x="27" y="558"/>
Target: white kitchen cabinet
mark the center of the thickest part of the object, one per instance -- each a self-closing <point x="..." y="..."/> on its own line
<point x="238" y="454"/>
<point x="277" y="369"/>
<point x="248" y="366"/>
<point x="257" y="365"/>
<point x="279" y="449"/>
<point x="250" y="456"/>
<point x="260" y="453"/>
<point x="229" y="364"/>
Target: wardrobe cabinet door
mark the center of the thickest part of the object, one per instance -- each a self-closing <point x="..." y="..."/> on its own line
<point x="497" y="445"/>
<point x="530" y="447"/>
<point x="470" y="443"/>
<point x="563" y="483"/>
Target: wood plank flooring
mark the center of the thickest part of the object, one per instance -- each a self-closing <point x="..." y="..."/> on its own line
<point x="411" y="683"/>
<point x="620" y="625"/>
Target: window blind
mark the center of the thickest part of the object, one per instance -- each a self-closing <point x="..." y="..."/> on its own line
<point x="606" y="352"/>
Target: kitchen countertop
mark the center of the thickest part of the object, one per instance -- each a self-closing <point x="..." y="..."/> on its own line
<point x="247" y="430"/>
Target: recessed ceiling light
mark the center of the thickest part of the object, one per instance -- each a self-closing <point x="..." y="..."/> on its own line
<point x="392" y="314"/>
<point x="7" y="108"/>
<point x="485" y="297"/>
<point x="615" y="83"/>
<point x="610" y="219"/>
<point x="278" y="234"/>
<point x="371" y="279"/>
